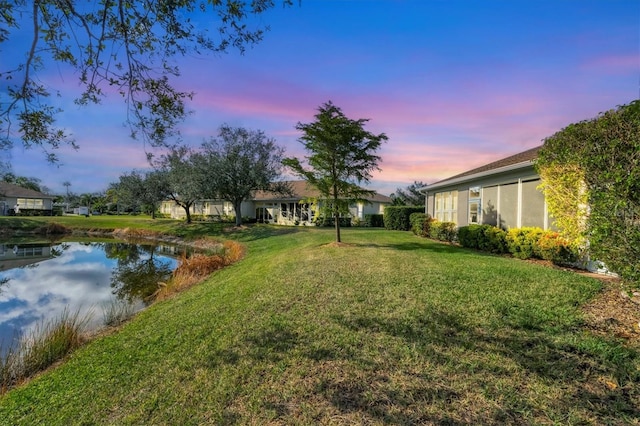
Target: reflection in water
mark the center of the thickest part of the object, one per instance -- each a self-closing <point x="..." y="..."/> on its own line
<point x="38" y="281"/>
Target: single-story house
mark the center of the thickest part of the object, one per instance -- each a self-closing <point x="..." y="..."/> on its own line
<point x="16" y="256"/>
<point x="24" y="200"/>
<point x="297" y="208"/>
<point x="503" y="193"/>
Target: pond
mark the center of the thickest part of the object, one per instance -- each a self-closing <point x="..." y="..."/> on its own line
<point x="41" y="280"/>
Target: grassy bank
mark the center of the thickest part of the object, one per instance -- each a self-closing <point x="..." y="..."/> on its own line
<point x="179" y="228"/>
<point x="390" y="329"/>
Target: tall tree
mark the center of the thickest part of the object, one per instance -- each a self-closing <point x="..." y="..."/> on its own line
<point x="127" y="47"/>
<point x="239" y="162"/>
<point x="143" y="189"/>
<point x="186" y="182"/>
<point x="341" y="158"/>
<point x="410" y="196"/>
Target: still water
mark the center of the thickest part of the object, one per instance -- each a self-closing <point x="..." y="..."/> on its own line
<point x="39" y="281"/>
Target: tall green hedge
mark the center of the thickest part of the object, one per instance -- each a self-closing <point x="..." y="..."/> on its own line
<point x="396" y="218"/>
<point x="374" y="220"/>
<point x="606" y="150"/>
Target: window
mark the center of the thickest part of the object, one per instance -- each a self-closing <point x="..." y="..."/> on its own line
<point x="446" y="206"/>
<point x="474" y="205"/>
<point x="30" y="203"/>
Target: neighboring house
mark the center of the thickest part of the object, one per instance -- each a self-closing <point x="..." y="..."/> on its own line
<point x="29" y="202"/>
<point x="297" y="208"/>
<point x="302" y="206"/>
<point x="210" y="208"/>
<point x="502" y="193"/>
<point x="17" y="256"/>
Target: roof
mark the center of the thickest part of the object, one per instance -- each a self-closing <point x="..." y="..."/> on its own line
<point x="516" y="161"/>
<point x="15" y="191"/>
<point x="301" y="190"/>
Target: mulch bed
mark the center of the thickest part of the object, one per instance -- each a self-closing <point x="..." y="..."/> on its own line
<point x="615" y="311"/>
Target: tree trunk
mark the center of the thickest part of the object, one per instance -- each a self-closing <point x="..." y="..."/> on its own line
<point x="336" y="213"/>
<point x="237" y="207"/>
<point x="187" y="208"/>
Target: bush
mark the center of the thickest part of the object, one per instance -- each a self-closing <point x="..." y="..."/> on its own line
<point x="396" y="218"/>
<point x="345" y="222"/>
<point x="374" y="220"/>
<point x="523" y="242"/>
<point x="420" y="223"/>
<point x="483" y="237"/>
<point x="469" y="236"/>
<point x="443" y="231"/>
<point x="552" y="246"/>
<point x="493" y="240"/>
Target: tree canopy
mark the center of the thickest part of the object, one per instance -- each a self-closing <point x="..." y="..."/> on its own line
<point x="143" y="189"/>
<point x="603" y="156"/>
<point x="125" y="47"/>
<point x="185" y="182"/>
<point x="410" y="196"/>
<point x="239" y="162"/>
<point x="342" y="157"/>
<point x="24" y="181"/>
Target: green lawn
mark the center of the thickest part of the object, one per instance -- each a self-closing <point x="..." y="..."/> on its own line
<point x="392" y="329"/>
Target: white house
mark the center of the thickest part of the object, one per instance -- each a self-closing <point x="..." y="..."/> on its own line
<point x="297" y="208"/>
<point x="26" y="200"/>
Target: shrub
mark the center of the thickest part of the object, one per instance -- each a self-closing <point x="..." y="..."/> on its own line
<point x="53" y="228"/>
<point x="396" y="218"/>
<point x="443" y="231"/>
<point x="522" y="242"/>
<point x="493" y="239"/>
<point x="469" y="236"/>
<point x="483" y="237"/>
<point x="374" y="220"/>
<point x="420" y="223"/>
<point x="345" y="222"/>
<point x="552" y="246"/>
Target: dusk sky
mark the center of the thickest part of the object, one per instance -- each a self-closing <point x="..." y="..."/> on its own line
<point x="453" y="84"/>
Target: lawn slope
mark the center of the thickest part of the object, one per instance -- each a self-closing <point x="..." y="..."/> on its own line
<point x="392" y="329"/>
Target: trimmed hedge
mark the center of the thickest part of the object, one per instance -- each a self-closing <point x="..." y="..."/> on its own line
<point x="420" y="223"/>
<point x="443" y="231"/>
<point x="522" y="242"/>
<point x="483" y="237"/>
<point x="396" y="218"/>
<point x="552" y="246"/>
<point x="345" y="222"/>
<point x="374" y="220"/>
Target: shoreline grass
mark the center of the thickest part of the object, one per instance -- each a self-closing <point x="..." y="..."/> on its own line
<point x="389" y="329"/>
<point x="41" y="347"/>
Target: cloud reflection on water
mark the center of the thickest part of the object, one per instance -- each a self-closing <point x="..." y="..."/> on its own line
<point x="79" y="280"/>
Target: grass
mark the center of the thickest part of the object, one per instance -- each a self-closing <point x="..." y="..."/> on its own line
<point x="391" y="329"/>
<point x="48" y="342"/>
<point x="117" y="312"/>
<point x="108" y="222"/>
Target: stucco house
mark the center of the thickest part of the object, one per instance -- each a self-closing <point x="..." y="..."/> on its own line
<point x="502" y="193"/>
<point x="297" y="208"/>
<point x="17" y="256"/>
<point x="28" y="201"/>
